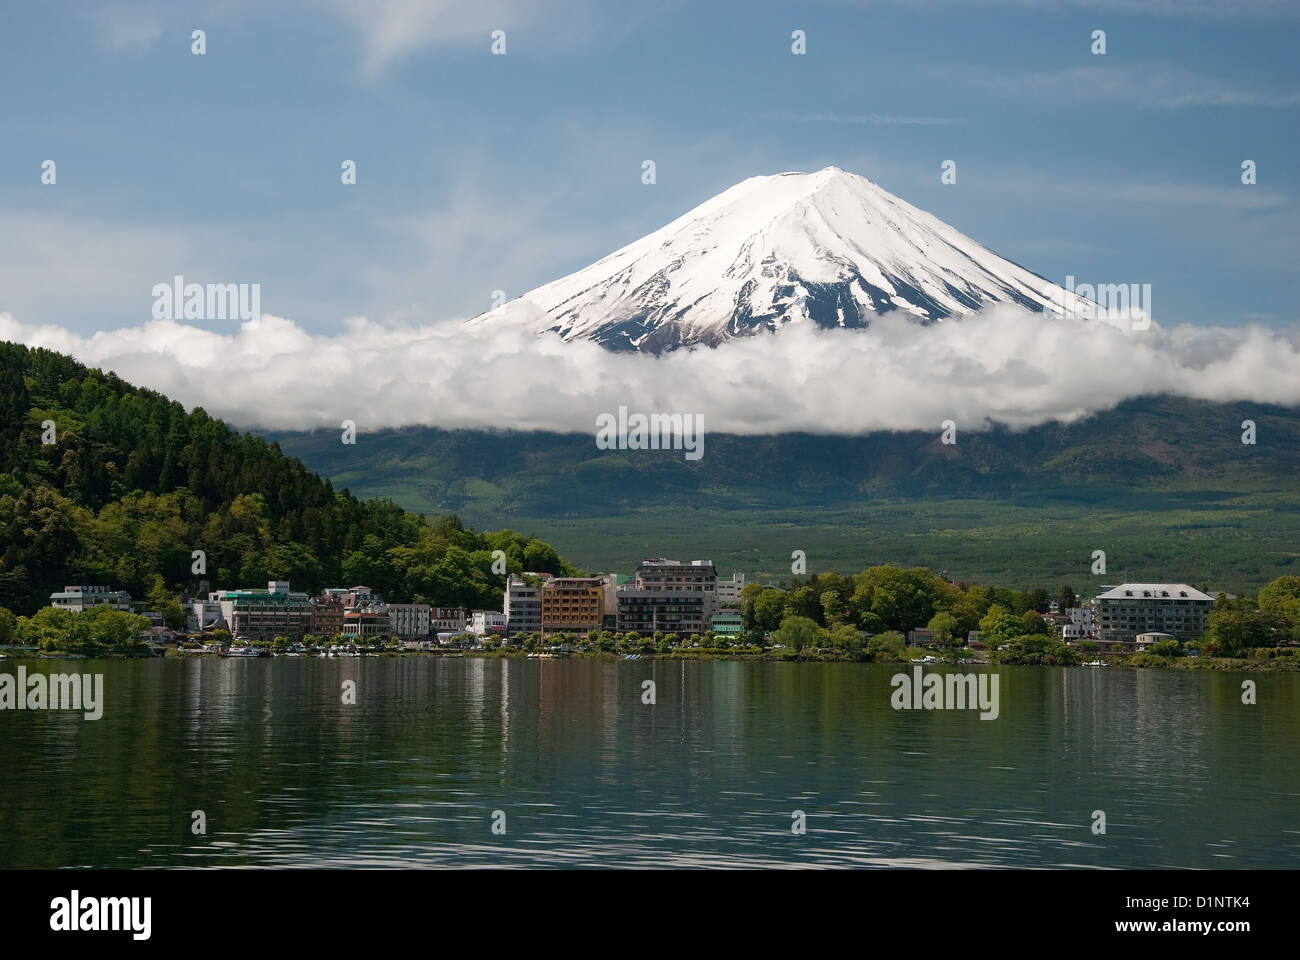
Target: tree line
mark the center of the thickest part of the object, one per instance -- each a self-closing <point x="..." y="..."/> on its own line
<point x="833" y="610"/>
<point x="104" y="482"/>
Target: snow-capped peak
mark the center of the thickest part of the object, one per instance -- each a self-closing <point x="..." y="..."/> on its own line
<point x="830" y="248"/>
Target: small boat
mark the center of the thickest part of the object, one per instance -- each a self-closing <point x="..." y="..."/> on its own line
<point x="243" y="652"/>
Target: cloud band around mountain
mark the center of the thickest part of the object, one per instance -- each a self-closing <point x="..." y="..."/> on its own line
<point x="1003" y="364"/>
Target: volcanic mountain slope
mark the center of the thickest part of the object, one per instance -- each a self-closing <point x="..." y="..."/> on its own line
<point x="829" y="248"/>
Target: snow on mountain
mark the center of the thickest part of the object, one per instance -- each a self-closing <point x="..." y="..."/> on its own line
<point x="828" y="248"/>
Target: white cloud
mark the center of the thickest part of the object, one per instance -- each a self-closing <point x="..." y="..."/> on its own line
<point x="393" y="29"/>
<point x="1209" y="9"/>
<point x="1004" y="364"/>
<point x="872" y="119"/>
<point x="1157" y="86"/>
<point x="127" y="29"/>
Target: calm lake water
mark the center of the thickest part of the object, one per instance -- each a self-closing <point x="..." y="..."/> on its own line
<point x="588" y="775"/>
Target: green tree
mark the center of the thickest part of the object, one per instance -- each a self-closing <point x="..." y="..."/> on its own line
<point x="834" y="608"/>
<point x="888" y="647"/>
<point x="1000" y="626"/>
<point x="946" y="629"/>
<point x="165" y="602"/>
<point x="846" y="638"/>
<point x="798" y="633"/>
<point x="1034" y="623"/>
<point x="1166" y="648"/>
<point x="803" y="602"/>
<point x="871" y="622"/>
<point x="769" y="609"/>
<point x="1237" y="627"/>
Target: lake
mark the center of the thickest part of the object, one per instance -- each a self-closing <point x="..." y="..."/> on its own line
<point x="583" y="773"/>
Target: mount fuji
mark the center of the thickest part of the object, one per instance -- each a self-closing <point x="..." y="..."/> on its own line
<point x="829" y="248"/>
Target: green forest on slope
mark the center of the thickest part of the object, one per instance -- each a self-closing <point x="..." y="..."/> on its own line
<point x="1164" y="485"/>
<point x="132" y="484"/>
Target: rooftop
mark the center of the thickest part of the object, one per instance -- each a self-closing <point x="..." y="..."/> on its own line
<point x="1154" y="591"/>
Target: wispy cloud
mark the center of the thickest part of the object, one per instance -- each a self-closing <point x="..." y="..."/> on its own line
<point x="124" y="28"/>
<point x="874" y="119"/>
<point x="393" y="29"/>
<point x="1201" y="9"/>
<point x="1158" y="86"/>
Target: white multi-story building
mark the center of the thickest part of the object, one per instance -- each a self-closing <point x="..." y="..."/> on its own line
<point x="410" y="621"/>
<point x="523" y="606"/>
<point x="203" y="616"/>
<point x="1123" y="612"/>
<point x="1080" y="624"/>
<point x="81" y="598"/>
<point x="483" y="622"/>
<point x="729" y="592"/>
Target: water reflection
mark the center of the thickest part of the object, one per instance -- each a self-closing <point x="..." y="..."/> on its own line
<point x="589" y="775"/>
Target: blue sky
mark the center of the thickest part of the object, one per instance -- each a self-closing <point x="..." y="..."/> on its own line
<point x="479" y="172"/>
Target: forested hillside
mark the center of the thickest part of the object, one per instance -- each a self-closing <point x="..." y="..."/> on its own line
<point x="130" y="484"/>
<point x="1164" y="485"/>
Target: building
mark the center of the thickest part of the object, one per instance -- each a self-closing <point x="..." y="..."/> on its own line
<point x="922" y="637"/>
<point x="1075" y="624"/>
<point x="1123" y="612"/>
<point x="523" y="606"/>
<point x="358" y="596"/>
<point x="410" y="621"/>
<point x="1145" y="641"/>
<point x="573" y="605"/>
<point x="726" y="624"/>
<point x="449" y="619"/>
<point x="205" y="616"/>
<point x="484" y="623"/>
<point x="327" y="617"/>
<point x="648" y="612"/>
<point x="266" y="614"/>
<point x="729" y="592"/>
<point x="369" y="622"/>
<point x="157" y="636"/>
<point x="81" y="598"/>
<point x="669" y="596"/>
<point x="609" y="611"/>
<point x="671" y="576"/>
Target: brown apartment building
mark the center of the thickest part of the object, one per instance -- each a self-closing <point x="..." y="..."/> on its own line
<point x="572" y="605"/>
<point x="327" y="617"/>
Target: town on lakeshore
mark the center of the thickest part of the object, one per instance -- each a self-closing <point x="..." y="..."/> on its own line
<point x="684" y="609"/>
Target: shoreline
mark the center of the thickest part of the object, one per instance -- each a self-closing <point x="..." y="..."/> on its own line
<point x="1149" y="662"/>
